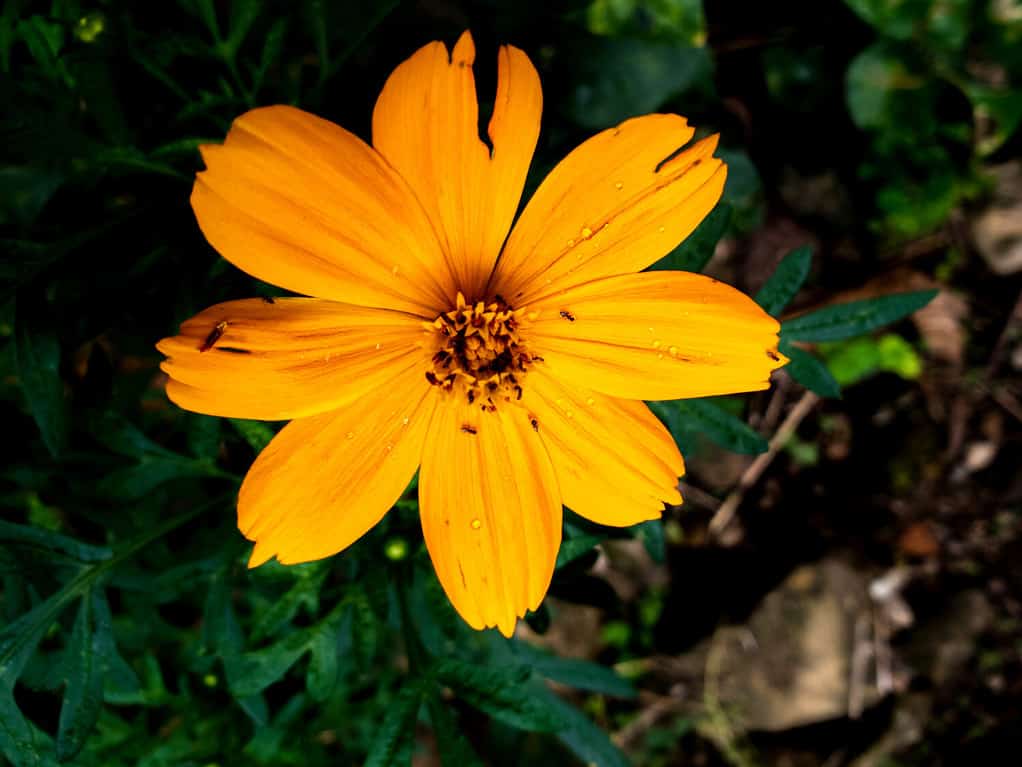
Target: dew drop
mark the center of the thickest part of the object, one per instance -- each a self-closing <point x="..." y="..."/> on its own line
<point x="619" y="186"/>
<point x="587" y="232"/>
<point x="569" y="413"/>
<point x="350" y="435"/>
<point x="590" y="401"/>
<point x="389" y="446"/>
<point x="672" y="350"/>
<point x="656" y="344"/>
<point x="660" y="356"/>
<point x="531" y="316"/>
<point x="377" y="347"/>
<point x="571" y="243"/>
<point x="395" y="270"/>
<point x="650" y="329"/>
<point x="661" y="229"/>
<point x="476" y="523"/>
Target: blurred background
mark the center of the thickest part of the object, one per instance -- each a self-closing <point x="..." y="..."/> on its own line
<point x="851" y="596"/>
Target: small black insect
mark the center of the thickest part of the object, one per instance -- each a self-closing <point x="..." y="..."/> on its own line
<point x="214" y="335"/>
<point x="269" y="299"/>
<point x="535" y="423"/>
<point x="567" y="315"/>
<point x="773" y="355"/>
<point x="468" y="428"/>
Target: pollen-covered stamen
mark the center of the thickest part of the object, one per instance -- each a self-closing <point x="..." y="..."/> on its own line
<point x="479" y="352"/>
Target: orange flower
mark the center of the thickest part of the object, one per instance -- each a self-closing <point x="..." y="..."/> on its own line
<point x="509" y="368"/>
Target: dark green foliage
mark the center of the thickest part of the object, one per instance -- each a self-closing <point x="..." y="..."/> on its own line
<point x="131" y="631"/>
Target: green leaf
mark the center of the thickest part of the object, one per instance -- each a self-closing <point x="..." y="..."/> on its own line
<point x="833" y="323"/>
<point x="618" y="78"/>
<point x="696" y="250"/>
<point x="83" y="696"/>
<point x="454" y="748"/>
<point x="810" y="372"/>
<point x="45" y="543"/>
<point x="573" y="672"/>
<point x="123" y="437"/>
<point x="134" y="482"/>
<point x="256" y="433"/>
<point x="243" y="15"/>
<point x="702" y="416"/>
<point x="587" y="741"/>
<point x="858" y="358"/>
<point x="18" y="741"/>
<point x="884" y="94"/>
<point x="504" y="693"/>
<point x="324" y="667"/>
<point x="395" y="739"/>
<point x="252" y="672"/>
<point x="573" y="548"/>
<point x="786" y="280"/>
<point x="38" y="356"/>
<point x="651" y="533"/>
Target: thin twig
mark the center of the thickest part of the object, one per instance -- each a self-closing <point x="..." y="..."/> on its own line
<point x="722" y="518"/>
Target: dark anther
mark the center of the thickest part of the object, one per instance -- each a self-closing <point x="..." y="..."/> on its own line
<point x="471" y="396"/>
<point x="214" y="336"/>
<point x="233" y="350"/>
<point x="518" y="392"/>
<point x="431" y="377"/>
<point x="567" y="315"/>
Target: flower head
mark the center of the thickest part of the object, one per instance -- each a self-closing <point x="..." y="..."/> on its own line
<point x="507" y="364"/>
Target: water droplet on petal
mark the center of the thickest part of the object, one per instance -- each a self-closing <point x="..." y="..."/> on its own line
<point x="661" y="229"/>
<point x="571" y="243"/>
<point x="389" y="446"/>
<point x="587" y="232"/>
<point x="619" y="186"/>
<point x="656" y="344"/>
<point x="404" y="421"/>
<point x="590" y="401"/>
<point x="650" y="329"/>
<point x="377" y="347"/>
<point x="672" y="350"/>
<point x="395" y="270"/>
<point x="660" y="356"/>
<point x="476" y="523"/>
<point x="350" y="435"/>
<point x="569" y="413"/>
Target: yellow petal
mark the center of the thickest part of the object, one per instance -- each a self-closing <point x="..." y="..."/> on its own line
<point x="491" y="512"/>
<point x="426" y="123"/>
<point x="290" y="358"/>
<point x="302" y="203"/>
<point x="615" y="205"/>
<point x="324" y="481"/>
<point x="615" y="462"/>
<point x="657" y="335"/>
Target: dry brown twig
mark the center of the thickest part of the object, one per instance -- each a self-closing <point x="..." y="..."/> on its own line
<point x="725" y="514"/>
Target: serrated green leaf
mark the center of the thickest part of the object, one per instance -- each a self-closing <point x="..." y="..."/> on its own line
<point x="834" y="323"/>
<point x="452" y="745"/>
<point x="45" y="543"/>
<point x="324" y="666"/>
<point x="393" y="742"/>
<point x="83" y="697"/>
<point x="696" y="250"/>
<point x="573" y="672"/>
<point x="810" y="372"/>
<point x="702" y="416"/>
<point x="252" y="672"/>
<point x="38" y="356"/>
<point x="786" y="281"/>
<point x="504" y="693"/>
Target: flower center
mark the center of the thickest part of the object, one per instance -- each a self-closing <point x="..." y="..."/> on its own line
<point x="479" y="352"/>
